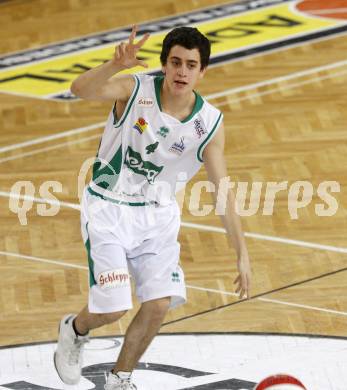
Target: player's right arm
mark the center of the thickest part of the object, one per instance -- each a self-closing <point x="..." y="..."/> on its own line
<point x="100" y="83"/>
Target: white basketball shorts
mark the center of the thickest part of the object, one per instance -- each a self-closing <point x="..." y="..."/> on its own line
<point x="123" y="240"/>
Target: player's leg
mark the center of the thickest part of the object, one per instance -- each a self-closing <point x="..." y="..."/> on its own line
<point x="109" y="292"/>
<point x="68" y="357"/>
<point x="86" y="321"/>
<point x="109" y="300"/>
<point x="141" y="332"/>
<point x="159" y="285"/>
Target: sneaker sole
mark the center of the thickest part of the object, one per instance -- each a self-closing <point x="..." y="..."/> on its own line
<point x="56" y="368"/>
<point x="63" y="380"/>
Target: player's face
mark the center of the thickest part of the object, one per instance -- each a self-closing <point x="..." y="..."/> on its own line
<point x="182" y="69"/>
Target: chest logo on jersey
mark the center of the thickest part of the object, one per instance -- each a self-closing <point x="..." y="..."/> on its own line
<point x="145" y="102"/>
<point x="178" y="147"/>
<point x="151" y="148"/>
<point x="164" y="131"/>
<point x="199" y="129"/>
<point x="133" y="160"/>
<point x="141" y="125"/>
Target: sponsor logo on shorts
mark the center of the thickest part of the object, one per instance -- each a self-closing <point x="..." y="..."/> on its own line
<point x="145" y="102"/>
<point x="113" y="278"/>
<point x="141" y="125"/>
<point x="200" y="131"/>
<point x="178" y="147"/>
<point x="175" y="277"/>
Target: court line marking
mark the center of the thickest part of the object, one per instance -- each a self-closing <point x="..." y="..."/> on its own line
<point x="221" y="292"/>
<point x="74" y="206"/>
<point x="52" y="137"/>
<point x="42" y="260"/>
<point x="240" y="99"/>
<point x="280" y="89"/>
<point x="191" y="225"/>
<point x="280" y="79"/>
<point x="46" y="149"/>
<point x="263" y="237"/>
<point x="161" y="20"/>
<point x="208" y="97"/>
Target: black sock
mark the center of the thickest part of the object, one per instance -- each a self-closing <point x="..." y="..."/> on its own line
<point x="75" y="329"/>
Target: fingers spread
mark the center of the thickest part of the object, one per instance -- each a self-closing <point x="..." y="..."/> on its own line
<point x="122" y="49"/>
<point x="142" y="63"/>
<point x="141" y="42"/>
<point x="133" y="34"/>
<point x="117" y="53"/>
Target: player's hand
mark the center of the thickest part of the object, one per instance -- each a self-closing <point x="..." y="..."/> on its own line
<point x="243" y="280"/>
<point x="125" y="53"/>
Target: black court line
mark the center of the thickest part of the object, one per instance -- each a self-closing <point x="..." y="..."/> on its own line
<point x="223" y="333"/>
<point x="222" y="59"/>
<point x="254" y="297"/>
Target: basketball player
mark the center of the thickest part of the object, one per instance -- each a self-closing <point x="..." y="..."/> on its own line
<point x="157" y="136"/>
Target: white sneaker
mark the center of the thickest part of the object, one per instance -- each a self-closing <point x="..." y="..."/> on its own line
<point x="68" y="357"/>
<point x="114" y="382"/>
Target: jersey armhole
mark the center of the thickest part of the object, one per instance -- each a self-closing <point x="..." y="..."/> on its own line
<point x="117" y="123"/>
<point x="209" y="137"/>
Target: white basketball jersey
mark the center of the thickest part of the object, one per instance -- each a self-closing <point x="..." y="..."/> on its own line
<point x="147" y="155"/>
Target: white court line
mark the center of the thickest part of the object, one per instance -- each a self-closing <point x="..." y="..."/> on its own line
<point x="343" y="313"/>
<point x="208" y="97"/>
<point x="233" y="101"/>
<point x="74" y="206"/>
<point x="280" y="89"/>
<point x="281" y="240"/>
<point x="41" y="260"/>
<point x="221" y="292"/>
<point x="191" y="225"/>
<point x="41" y="150"/>
<point x="52" y="137"/>
<point x="279" y="79"/>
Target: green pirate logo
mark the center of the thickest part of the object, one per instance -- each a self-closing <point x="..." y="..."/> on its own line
<point x="134" y="161"/>
<point x="175" y="277"/>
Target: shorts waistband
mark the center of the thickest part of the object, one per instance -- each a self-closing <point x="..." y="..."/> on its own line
<point x="120" y="202"/>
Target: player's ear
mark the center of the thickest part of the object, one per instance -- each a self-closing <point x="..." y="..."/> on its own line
<point x="163" y="69"/>
<point x="202" y="72"/>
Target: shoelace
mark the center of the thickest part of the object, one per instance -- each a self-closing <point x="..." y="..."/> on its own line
<point x="127" y="385"/>
<point x="75" y="352"/>
<point x="124" y="385"/>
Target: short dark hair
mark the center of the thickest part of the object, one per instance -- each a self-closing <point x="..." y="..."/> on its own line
<point x="190" y="38"/>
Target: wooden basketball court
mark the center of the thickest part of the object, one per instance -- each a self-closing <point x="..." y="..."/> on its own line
<point x="285" y="118"/>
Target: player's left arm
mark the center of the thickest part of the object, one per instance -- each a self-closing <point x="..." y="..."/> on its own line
<point x="214" y="161"/>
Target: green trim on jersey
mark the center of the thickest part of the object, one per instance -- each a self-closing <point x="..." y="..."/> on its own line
<point x="107" y="176"/>
<point x="109" y="173"/>
<point x="158" y="80"/>
<point x="199" y="101"/>
<point x="91" y="191"/>
<point x="129" y="104"/>
<point x="92" y="281"/>
<point x="202" y="146"/>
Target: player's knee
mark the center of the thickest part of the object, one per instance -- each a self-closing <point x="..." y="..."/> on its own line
<point x="109" y="318"/>
<point x="159" y="307"/>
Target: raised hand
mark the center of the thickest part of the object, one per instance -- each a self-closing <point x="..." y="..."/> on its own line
<point x="125" y="53"/>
